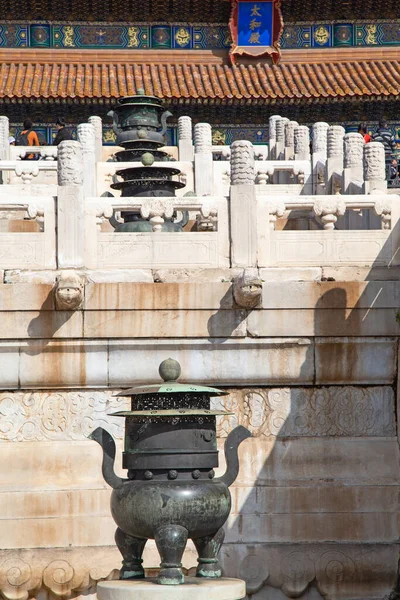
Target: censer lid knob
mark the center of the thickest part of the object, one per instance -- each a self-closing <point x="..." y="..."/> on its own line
<point x="169" y="369"/>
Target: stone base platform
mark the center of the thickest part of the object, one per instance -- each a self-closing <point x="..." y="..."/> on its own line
<point x="194" y="588"/>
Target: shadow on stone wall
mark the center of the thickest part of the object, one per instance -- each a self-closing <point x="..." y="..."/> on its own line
<point x="314" y="507"/>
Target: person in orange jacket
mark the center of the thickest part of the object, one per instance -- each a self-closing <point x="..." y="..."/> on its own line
<point x="28" y="137"/>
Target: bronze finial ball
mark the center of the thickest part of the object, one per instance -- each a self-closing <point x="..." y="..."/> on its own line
<point x="147" y="159"/>
<point x="169" y="369"/>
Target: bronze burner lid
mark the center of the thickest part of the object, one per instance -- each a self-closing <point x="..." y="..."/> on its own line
<point x="145" y="171"/>
<point x="168" y="183"/>
<point x="140" y="99"/>
<point x="181" y="412"/>
<point x="170" y="371"/>
<point x="150" y="145"/>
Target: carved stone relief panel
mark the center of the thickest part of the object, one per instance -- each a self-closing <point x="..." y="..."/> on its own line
<point x="326" y="411"/>
<point x="37" y="416"/>
<point x="338" y="573"/>
<point x="277" y="412"/>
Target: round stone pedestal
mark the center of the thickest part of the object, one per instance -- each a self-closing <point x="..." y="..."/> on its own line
<point x="194" y="588"/>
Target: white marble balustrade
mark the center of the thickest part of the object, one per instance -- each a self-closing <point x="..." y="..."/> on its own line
<point x="329" y="246"/>
<point x="45" y="152"/>
<point x="207" y="247"/>
<point x="25" y="171"/>
<point x="25" y="246"/>
<point x="224" y="152"/>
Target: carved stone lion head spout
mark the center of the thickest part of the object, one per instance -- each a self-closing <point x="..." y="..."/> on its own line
<point x="68" y="290"/>
<point x="247" y="289"/>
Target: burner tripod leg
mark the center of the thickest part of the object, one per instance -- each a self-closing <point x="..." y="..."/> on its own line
<point x="208" y="548"/>
<point x="131" y="549"/>
<point x="171" y="543"/>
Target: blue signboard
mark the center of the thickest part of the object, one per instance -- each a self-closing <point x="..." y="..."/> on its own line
<point x="255" y="24"/>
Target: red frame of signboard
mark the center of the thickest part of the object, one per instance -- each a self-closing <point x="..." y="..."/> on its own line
<point x="274" y="50"/>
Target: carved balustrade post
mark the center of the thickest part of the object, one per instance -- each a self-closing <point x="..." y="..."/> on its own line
<point x="272" y="136"/>
<point x="328" y="210"/>
<point x="374" y="167"/>
<point x="289" y="139"/>
<point x="70" y="206"/>
<point x="86" y="136"/>
<point x="203" y="160"/>
<point x="319" y="156"/>
<point x="334" y="162"/>
<point x="4" y="136"/>
<point x="4" y="144"/>
<point x="301" y="142"/>
<point x="98" y="136"/>
<point x="185" y="138"/>
<point x="384" y="211"/>
<point x="353" y="172"/>
<point x="280" y="138"/>
<point x="243" y="205"/>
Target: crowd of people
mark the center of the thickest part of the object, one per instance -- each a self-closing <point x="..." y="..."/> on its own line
<point x="29" y="137"/>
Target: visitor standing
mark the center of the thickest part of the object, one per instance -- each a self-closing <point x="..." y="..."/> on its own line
<point x="63" y="133"/>
<point x="28" y="137"/>
<point x="385" y="137"/>
<point x="363" y="130"/>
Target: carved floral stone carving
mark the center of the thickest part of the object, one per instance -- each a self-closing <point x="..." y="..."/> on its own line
<point x="97" y="124"/>
<point x="86" y="136"/>
<point x="157" y="210"/>
<point x="384" y="210"/>
<point x="185" y="128"/>
<point x="280" y="129"/>
<point x="70" y="163"/>
<point x="4" y="135"/>
<point x="26" y="172"/>
<point x="24" y="573"/>
<point x="69" y="289"/>
<point x="320" y="137"/>
<point x="329" y="209"/>
<point x="207" y="220"/>
<point x="333" y="410"/>
<point x="276" y="211"/>
<point x="338" y="411"/>
<point x="335" y="137"/>
<point x="289" y="133"/>
<point x="17" y="582"/>
<point x="353" y="150"/>
<point x="337" y="573"/>
<point x="37" y="416"/>
<point x="242" y="163"/>
<point x="272" y="126"/>
<point x="301" y="140"/>
<point x="374" y="161"/>
<point x="202" y="138"/>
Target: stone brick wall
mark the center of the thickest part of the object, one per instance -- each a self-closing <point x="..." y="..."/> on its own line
<point x="315" y="506"/>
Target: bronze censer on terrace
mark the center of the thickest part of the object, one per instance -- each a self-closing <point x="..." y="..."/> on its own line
<point x="140" y="124"/>
<point x="171" y="493"/>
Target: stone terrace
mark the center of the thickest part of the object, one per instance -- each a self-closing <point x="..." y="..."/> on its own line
<point x="311" y="365"/>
